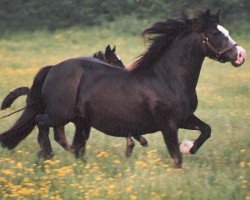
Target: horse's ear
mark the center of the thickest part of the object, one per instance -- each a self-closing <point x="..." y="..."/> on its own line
<point x="107" y="51"/>
<point x="184" y="15"/>
<point x="108" y="48"/>
<point x="113" y="50"/>
<point x="207" y="14"/>
<point x="217" y="16"/>
<point x="202" y="21"/>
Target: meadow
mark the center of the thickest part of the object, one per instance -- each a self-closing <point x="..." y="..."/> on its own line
<point x="219" y="171"/>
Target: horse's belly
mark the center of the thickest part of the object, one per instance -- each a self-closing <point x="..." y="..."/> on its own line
<point x="123" y="124"/>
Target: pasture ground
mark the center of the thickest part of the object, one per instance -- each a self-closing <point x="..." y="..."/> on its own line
<point x="220" y="169"/>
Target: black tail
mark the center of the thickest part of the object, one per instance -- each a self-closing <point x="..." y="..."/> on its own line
<point x="13" y="95"/>
<point x="26" y="123"/>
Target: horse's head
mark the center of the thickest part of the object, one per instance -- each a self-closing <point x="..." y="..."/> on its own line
<point x="216" y="40"/>
<point x="111" y="57"/>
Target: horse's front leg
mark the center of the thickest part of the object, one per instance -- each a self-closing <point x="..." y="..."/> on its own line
<point x="59" y="136"/>
<point x="194" y="123"/>
<point x="143" y="141"/>
<point x="170" y="135"/>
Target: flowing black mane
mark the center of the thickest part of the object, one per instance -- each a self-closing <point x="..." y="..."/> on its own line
<point x="165" y="31"/>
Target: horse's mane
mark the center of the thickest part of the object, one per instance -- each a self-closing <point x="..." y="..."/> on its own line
<point x="160" y="35"/>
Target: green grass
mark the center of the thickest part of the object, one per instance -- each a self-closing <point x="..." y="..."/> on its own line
<point x="220" y="170"/>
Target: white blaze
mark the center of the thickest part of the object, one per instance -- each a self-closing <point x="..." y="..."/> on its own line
<point x="226" y="33"/>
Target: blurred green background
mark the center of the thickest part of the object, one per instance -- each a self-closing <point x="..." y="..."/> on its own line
<point x="56" y="14"/>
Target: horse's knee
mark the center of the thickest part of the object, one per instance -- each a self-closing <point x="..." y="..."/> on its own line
<point x="207" y="131"/>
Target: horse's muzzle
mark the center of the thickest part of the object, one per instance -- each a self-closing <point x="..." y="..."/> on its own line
<point x="241" y="56"/>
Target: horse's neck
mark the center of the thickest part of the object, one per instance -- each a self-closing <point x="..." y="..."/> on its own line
<point x="182" y="62"/>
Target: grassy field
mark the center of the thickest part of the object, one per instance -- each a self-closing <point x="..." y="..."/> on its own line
<point x="220" y="170"/>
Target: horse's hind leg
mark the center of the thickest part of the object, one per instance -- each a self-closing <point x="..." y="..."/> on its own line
<point x="143" y="141"/>
<point x="46" y="151"/>
<point x="59" y="136"/>
<point x="81" y="136"/>
<point x="194" y="123"/>
<point x="130" y="146"/>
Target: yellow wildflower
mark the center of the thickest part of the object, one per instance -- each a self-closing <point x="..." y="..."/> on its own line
<point x="128" y="188"/>
<point x="19" y="165"/>
<point x="243" y="150"/>
<point x="102" y="154"/>
<point x="242" y="164"/>
<point x="141" y="164"/>
<point x="64" y="170"/>
<point x="132" y="197"/>
<point x="25" y="191"/>
<point x="7" y="172"/>
<point x="117" y="161"/>
<point x="111" y="186"/>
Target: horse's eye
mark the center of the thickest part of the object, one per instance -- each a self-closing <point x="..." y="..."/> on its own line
<point x="215" y="32"/>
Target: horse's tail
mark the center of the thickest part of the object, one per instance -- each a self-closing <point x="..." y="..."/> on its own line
<point x="13" y="95"/>
<point x="26" y="123"/>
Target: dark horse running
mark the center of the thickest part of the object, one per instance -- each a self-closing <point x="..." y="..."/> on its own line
<point x="109" y="56"/>
<point x="158" y="92"/>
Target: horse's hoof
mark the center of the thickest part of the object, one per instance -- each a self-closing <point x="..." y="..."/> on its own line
<point x="192" y="151"/>
<point x="144" y="144"/>
<point x="177" y="163"/>
<point x="45" y="156"/>
<point x="39" y="155"/>
<point x="128" y="153"/>
<point x="79" y="154"/>
<point x="81" y="159"/>
<point x="49" y="155"/>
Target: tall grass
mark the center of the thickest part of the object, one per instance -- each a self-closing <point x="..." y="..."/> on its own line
<point x="220" y="170"/>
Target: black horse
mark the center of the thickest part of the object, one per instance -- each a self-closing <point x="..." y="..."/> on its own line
<point x="158" y="92"/>
<point x="109" y="56"/>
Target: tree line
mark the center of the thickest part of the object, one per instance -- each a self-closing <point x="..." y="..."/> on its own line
<point x="54" y="14"/>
